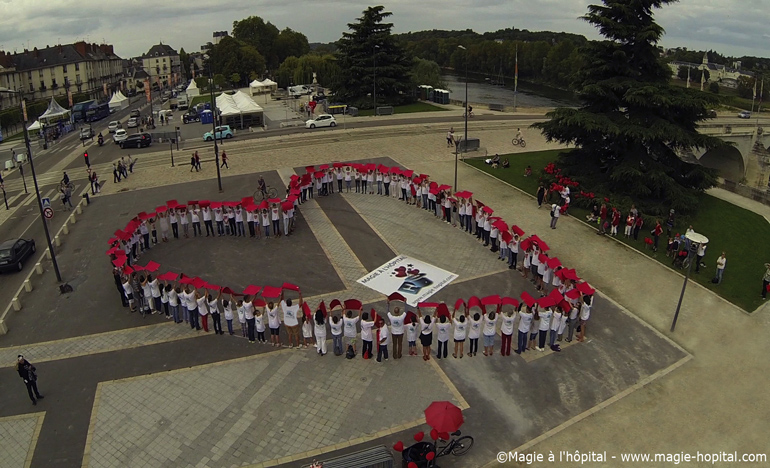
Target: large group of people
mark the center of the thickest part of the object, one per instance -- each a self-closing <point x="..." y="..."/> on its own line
<point x="563" y="307"/>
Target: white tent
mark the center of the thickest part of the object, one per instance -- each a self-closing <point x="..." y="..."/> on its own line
<point x="270" y="84"/>
<point x="239" y="110"/>
<point x="118" y="101"/>
<point x="53" y="113"/>
<point x="35" y="126"/>
<point x="192" y="89"/>
<point x="257" y="87"/>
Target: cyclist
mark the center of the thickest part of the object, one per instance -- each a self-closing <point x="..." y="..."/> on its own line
<point x="518" y="134"/>
<point x="470" y="110"/>
<point x="262" y="187"/>
<point x="65" y="180"/>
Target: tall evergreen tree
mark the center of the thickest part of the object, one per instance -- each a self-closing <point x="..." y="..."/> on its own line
<point x="368" y="49"/>
<point x="633" y="125"/>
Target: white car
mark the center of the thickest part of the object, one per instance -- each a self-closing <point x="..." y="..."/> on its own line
<point x="323" y="120"/>
<point x="744" y="115"/>
<point x="114" y="125"/>
<point x="120" y="135"/>
<point x="133" y="122"/>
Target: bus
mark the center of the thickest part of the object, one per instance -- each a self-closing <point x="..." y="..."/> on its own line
<point x="97" y="111"/>
<point x="79" y="110"/>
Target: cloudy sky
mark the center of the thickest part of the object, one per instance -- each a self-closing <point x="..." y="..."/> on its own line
<point x="731" y="27"/>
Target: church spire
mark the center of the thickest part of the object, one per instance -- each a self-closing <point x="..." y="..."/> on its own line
<point x="705" y="58"/>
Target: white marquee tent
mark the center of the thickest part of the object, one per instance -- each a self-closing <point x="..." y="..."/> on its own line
<point x="192" y="89"/>
<point x="256" y="87"/>
<point x="239" y="110"/>
<point x="54" y="112"/>
<point x="118" y="101"/>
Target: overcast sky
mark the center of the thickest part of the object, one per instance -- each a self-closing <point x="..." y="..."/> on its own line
<point x="731" y="27"/>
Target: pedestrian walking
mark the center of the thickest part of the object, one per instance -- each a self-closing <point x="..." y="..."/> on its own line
<point x="450" y="138"/>
<point x="28" y="374"/>
<point x="115" y="174"/>
<point x="224" y="160"/>
<point x="198" y="162"/>
<point x="193" y="163"/>
<point x="541" y="194"/>
<point x="555" y="213"/>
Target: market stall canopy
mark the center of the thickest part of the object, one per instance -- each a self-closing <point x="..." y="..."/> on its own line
<point x="237" y="104"/>
<point x="192" y="89"/>
<point x="118" y="101"/>
<point x="35" y="126"/>
<point x="53" y="113"/>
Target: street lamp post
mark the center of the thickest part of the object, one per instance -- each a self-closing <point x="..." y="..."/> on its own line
<point x="465" y="136"/>
<point x="696" y="240"/>
<point x="214" y="127"/>
<point x="34" y="179"/>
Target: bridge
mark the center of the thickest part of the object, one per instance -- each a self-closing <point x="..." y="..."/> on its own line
<point x="747" y="161"/>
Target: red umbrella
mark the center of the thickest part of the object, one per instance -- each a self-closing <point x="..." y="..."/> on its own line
<point x="444" y="416"/>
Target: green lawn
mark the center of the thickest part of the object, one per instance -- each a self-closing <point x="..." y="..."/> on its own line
<point x="730" y="228"/>
<point x="198" y="99"/>
<point x="407" y="109"/>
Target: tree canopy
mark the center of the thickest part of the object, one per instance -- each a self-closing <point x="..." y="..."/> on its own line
<point x="274" y="45"/>
<point x="233" y="56"/>
<point x="633" y="124"/>
<point x="368" y="50"/>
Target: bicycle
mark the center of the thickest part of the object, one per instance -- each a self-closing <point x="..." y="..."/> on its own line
<point x="456" y="446"/>
<point x="68" y="185"/>
<point x="471" y="114"/>
<point x="519" y="142"/>
<point x="270" y="192"/>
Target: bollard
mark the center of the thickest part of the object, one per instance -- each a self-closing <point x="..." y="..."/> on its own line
<point x="88" y="200"/>
<point x="27" y="285"/>
<point x="56" y="239"/>
<point x="3" y="327"/>
<point x="39" y="267"/>
<point x="48" y="254"/>
<point x="72" y="218"/>
<point x="79" y="209"/>
<point x="16" y="304"/>
<point x="64" y="229"/>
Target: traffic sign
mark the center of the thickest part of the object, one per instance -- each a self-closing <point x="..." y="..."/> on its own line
<point x="46" y="202"/>
<point x="48" y="212"/>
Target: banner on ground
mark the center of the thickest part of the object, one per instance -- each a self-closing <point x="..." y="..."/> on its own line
<point x="412" y="278"/>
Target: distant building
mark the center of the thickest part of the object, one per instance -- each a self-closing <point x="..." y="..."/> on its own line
<point x="218" y="36"/>
<point x="93" y="69"/>
<point x="716" y="71"/>
<point x="161" y="62"/>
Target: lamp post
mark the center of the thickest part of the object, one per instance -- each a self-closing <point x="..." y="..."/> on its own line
<point x="696" y="240"/>
<point x="465" y="135"/>
<point x="34" y="179"/>
<point x="374" y="81"/>
<point x="214" y="127"/>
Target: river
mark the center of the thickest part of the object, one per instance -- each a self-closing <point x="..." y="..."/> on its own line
<point x="529" y="95"/>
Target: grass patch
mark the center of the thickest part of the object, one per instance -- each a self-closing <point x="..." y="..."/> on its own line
<point x="407" y="109"/>
<point x="732" y="229"/>
<point x="199" y="99"/>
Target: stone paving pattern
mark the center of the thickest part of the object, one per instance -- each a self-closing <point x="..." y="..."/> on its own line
<point x="17" y="435"/>
<point x="254" y="410"/>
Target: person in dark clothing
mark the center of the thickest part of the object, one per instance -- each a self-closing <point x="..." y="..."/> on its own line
<point x="119" y="284"/>
<point x="27" y="373"/>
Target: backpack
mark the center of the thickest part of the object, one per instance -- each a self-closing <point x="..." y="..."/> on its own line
<point x="350" y="354"/>
<point x="552" y="212"/>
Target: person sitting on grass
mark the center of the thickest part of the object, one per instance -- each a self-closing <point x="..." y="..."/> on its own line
<point x="506" y="164"/>
<point x="528" y="171"/>
<point x="495" y="161"/>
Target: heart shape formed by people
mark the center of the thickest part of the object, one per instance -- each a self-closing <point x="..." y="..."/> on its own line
<point x="418" y="186"/>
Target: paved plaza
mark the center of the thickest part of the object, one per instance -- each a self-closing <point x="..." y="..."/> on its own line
<point x="126" y="391"/>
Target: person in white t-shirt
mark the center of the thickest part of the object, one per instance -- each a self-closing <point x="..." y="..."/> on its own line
<point x="506" y="330"/>
<point x="381" y="335"/>
<point x="195" y="219"/>
<point x="128" y="290"/>
<point x="525" y="322"/>
<point x="265" y="216"/>
<point x="319" y="329"/>
<point x="242" y="317"/>
<point x="203" y="308"/>
<point x="378" y="178"/>
<point x="213" y="303"/>
<point x="248" y="313"/>
<point x="275" y="217"/>
<point x="307" y="330"/>
<point x="229" y="307"/>
<point x="474" y="332"/>
<point x="489" y="331"/>
<point x="350" y="328"/>
<point x="335" y="325"/>
<point x="291" y="319"/>
<point x="545" y="325"/>
<point x="443" y="328"/>
<point x="563" y="324"/>
<point x="460" y="332"/>
<point x="156" y="294"/>
<point x="259" y="323"/>
<point x="396" y="329"/>
<point x="367" y="323"/>
<point x="173" y="302"/>
<point x="184" y="221"/>
<point x="412" y="331"/>
<point x="555" y="324"/>
<point x="274" y="323"/>
<point x="207" y="221"/>
<point x="427" y="323"/>
<point x="585" y="314"/>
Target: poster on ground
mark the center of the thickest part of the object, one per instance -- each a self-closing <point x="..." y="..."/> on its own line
<point x="412" y="278"/>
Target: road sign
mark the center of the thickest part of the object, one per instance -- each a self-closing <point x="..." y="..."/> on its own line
<point x="46" y="202"/>
<point x="48" y="212"/>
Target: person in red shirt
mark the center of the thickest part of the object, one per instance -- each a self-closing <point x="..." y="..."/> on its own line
<point x="615" y="222"/>
<point x="629" y="225"/>
<point x="638" y="226"/>
<point x="602" y="220"/>
<point x="656" y="233"/>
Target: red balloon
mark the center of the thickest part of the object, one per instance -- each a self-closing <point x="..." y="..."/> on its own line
<point x="398" y="446"/>
<point x="412" y="465"/>
<point x="434" y="434"/>
<point x="430" y="456"/>
<point x="419" y="436"/>
<point x="444" y="436"/>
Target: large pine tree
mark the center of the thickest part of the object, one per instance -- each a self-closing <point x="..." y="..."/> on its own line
<point x="368" y="49"/>
<point x="633" y="125"/>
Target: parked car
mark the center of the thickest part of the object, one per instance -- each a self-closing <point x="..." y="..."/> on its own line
<point x="86" y="133"/>
<point x="191" y="116"/>
<point x="323" y="120"/>
<point x="137" y="140"/>
<point x="114" y="125"/>
<point x="744" y="115"/>
<point x="135" y="113"/>
<point x="223" y="131"/>
<point x="14" y="252"/>
<point x="120" y="135"/>
<point x="133" y="122"/>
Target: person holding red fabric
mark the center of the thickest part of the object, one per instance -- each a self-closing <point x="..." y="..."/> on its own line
<point x="656" y="234"/>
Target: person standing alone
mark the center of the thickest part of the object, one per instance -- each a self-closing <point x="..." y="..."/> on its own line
<point x="28" y="373"/>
